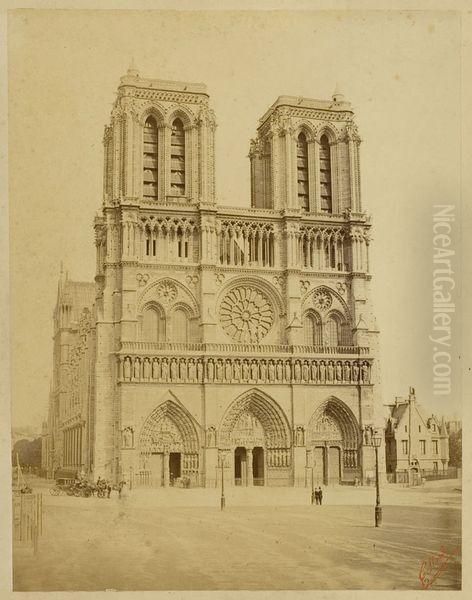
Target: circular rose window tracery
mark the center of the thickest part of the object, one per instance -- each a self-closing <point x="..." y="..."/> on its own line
<point x="322" y="300"/>
<point x="246" y="314"/>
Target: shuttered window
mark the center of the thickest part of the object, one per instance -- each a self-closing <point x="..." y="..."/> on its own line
<point x="150" y="158"/>
<point x="302" y="171"/>
<point x="325" y="176"/>
<point x="177" y="159"/>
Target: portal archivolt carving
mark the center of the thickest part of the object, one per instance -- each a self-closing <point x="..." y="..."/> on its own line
<point x="168" y="429"/>
<point x="259" y="414"/>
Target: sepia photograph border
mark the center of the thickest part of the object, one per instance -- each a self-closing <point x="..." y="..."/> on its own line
<point x="463" y="313"/>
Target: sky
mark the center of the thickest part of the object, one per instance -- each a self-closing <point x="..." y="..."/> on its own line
<point x="401" y="72"/>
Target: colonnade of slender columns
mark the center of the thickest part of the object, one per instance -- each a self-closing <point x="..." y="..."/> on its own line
<point x="72" y="450"/>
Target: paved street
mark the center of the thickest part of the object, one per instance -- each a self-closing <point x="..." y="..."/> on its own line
<point x="135" y="543"/>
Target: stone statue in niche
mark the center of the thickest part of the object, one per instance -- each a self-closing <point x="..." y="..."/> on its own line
<point x="271" y="371"/>
<point x="280" y="371"/>
<point x="137" y="369"/>
<point x="155" y="369"/>
<point x="146" y="366"/>
<point x="365" y="373"/>
<point x="191" y="370"/>
<point x="219" y="370"/>
<point x="210" y="370"/>
<point x="199" y="370"/>
<point x="322" y="372"/>
<point x="245" y="371"/>
<point x="127" y="436"/>
<point x="183" y="369"/>
<point x="263" y="369"/>
<point x="254" y="371"/>
<point x="339" y="372"/>
<point x="297" y="370"/>
<point x="288" y="371"/>
<point x="330" y="372"/>
<point x="368" y="435"/>
<point x="173" y="370"/>
<point x="347" y="372"/>
<point x="127" y="368"/>
<point x="236" y="370"/>
<point x="305" y="371"/>
<point x="211" y="437"/>
<point x="314" y="371"/>
<point x="299" y="437"/>
<point x="355" y="372"/>
<point x="164" y="369"/>
<point x="228" y="371"/>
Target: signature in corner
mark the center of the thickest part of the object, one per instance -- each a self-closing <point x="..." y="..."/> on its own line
<point x="435" y="565"/>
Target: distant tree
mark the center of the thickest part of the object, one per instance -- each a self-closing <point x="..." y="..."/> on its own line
<point x="29" y="453"/>
<point x="455" y="448"/>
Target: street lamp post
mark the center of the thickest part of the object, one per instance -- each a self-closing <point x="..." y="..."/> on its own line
<point x="376" y="442"/>
<point x="312" y="486"/>
<point x="223" y="499"/>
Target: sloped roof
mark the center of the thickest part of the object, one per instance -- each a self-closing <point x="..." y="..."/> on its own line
<point x="81" y="294"/>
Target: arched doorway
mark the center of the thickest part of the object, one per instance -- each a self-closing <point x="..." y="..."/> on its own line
<point x="258" y="465"/>
<point x="240" y="466"/>
<point x="333" y="443"/>
<point x="168" y="447"/>
<point x="256" y="432"/>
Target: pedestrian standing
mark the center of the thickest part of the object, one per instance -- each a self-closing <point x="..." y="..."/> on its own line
<point x="317" y="496"/>
<point x="320" y="495"/>
<point x="120" y="488"/>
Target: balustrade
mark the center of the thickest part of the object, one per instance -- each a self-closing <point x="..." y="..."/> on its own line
<point x="225" y="348"/>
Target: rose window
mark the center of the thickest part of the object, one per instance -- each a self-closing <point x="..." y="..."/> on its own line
<point x="246" y="315"/>
<point x="167" y="291"/>
<point x="322" y="300"/>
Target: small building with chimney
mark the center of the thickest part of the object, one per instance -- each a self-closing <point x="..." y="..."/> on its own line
<point x="415" y="443"/>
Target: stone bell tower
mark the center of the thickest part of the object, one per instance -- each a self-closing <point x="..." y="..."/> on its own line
<point x="306" y="155"/>
<point x="158" y="169"/>
<point x="305" y="166"/>
<point x="160" y="142"/>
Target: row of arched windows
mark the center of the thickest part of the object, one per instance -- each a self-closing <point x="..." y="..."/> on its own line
<point x="157" y="326"/>
<point x="249" y="247"/>
<point x="324" y="174"/>
<point x="175" y="245"/>
<point x="334" y="331"/>
<point x="151" y="158"/>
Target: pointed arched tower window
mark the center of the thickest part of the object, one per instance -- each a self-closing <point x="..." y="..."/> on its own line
<point x="150" y="158"/>
<point x="177" y="159"/>
<point x="325" y="175"/>
<point x="302" y="171"/>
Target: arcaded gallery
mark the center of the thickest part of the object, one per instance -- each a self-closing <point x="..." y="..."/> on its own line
<point x="219" y="339"/>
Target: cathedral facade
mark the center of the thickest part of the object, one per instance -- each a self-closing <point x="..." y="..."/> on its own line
<point x="221" y="339"/>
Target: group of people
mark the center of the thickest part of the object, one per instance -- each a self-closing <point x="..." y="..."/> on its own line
<point x="105" y="486"/>
<point x="318" y="495"/>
